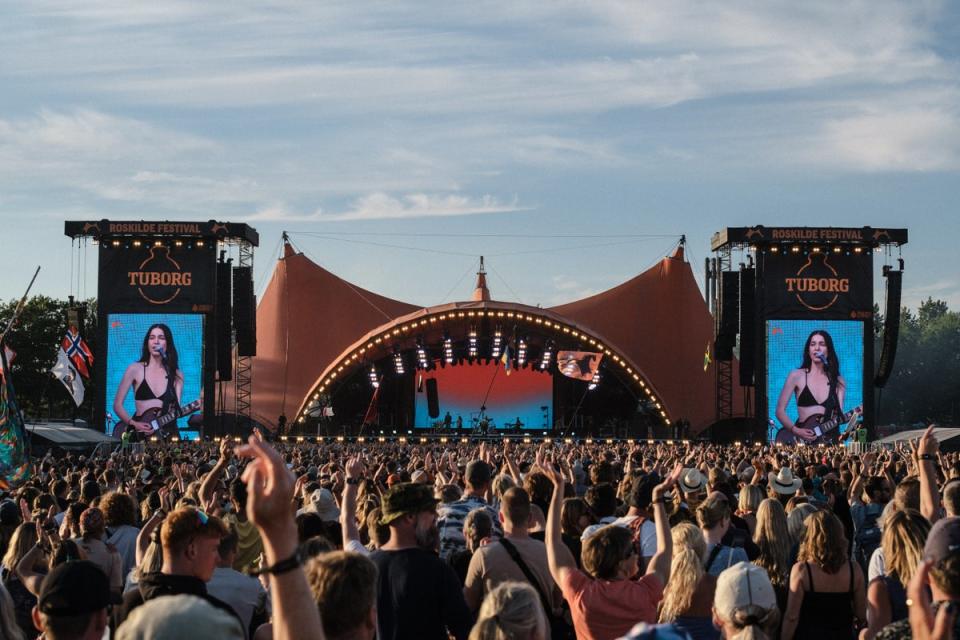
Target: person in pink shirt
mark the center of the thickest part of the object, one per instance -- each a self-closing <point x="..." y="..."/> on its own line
<point x="605" y="602"/>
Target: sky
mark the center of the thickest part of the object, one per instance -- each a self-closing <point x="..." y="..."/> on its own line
<point x="571" y="143"/>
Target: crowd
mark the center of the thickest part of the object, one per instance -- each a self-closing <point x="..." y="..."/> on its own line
<point x="495" y="540"/>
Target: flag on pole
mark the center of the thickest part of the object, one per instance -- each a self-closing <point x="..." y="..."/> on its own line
<point x="373" y="412"/>
<point x="706" y="358"/>
<point x="579" y="365"/>
<point x="14" y="463"/>
<point x="65" y="372"/>
<point x="77" y="351"/>
<point x="10" y="355"/>
<point x="505" y="359"/>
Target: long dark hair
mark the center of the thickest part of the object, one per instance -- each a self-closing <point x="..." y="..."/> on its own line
<point x="833" y="360"/>
<point x="172" y="360"/>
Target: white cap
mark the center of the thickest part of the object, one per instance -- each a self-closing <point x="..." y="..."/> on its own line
<point x="741" y="586"/>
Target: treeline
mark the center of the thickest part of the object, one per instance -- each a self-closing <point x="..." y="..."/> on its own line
<point x="925" y="384"/>
<point x="36" y="338"/>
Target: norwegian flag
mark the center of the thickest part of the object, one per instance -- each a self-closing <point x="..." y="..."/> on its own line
<point x="77" y="351"/>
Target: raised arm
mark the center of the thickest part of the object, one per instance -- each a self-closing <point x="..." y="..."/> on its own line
<point x="660" y="563"/>
<point x="348" y="508"/>
<point x="928" y="462"/>
<point x="210" y="480"/>
<point x="270" y="507"/>
<point x="559" y="558"/>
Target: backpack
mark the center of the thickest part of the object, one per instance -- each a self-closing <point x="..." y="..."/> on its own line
<point x="869" y="534"/>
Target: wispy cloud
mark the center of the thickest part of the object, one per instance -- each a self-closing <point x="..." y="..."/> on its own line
<point x="381" y="206"/>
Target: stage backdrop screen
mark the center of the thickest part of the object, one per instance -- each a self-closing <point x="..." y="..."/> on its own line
<point x="524" y="395"/>
<point x="785" y="344"/>
<point x="126" y="333"/>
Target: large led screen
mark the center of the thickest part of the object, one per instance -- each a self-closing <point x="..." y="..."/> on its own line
<point x="142" y="351"/>
<point x="802" y="357"/>
<point x="523" y="399"/>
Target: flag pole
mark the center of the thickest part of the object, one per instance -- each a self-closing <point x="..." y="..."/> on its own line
<point x="19" y="309"/>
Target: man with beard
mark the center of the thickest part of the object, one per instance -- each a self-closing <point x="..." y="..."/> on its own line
<point x="418" y="595"/>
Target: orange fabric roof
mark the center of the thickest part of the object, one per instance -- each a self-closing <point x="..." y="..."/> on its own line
<point x="307" y="317"/>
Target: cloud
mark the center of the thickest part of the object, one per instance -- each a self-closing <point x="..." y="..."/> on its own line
<point x="381" y="206"/>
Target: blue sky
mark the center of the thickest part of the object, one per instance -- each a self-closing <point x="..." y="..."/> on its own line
<point x="608" y="119"/>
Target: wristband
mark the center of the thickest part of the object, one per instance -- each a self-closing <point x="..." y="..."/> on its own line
<point x="354" y="480"/>
<point x="291" y="563"/>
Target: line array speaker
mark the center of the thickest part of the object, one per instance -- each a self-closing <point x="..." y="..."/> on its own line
<point x="244" y="311"/>
<point x="748" y="337"/>
<point x="433" y="400"/>
<point x="223" y="323"/>
<point x="891" y="327"/>
<point x="728" y="314"/>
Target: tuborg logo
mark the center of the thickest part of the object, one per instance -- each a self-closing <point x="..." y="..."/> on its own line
<point x="817" y="285"/>
<point x="159" y="278"/>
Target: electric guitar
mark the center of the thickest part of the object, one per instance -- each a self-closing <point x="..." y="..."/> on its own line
<point x="822" y="428"/>
<point x="156" y="421"/>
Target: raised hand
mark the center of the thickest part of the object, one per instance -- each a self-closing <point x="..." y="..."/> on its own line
<point x="355" y="467"/>
<point x="923" y="624"/>
<point x="668" y="483"/>
<point x="270" y="488"/>
<point x="554" y="474"/>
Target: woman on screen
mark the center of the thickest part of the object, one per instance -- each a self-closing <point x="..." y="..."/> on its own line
<point x="156" y="381"/>
<point x="817" y="385"/>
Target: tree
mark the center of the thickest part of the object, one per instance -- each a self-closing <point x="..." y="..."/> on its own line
<point x="36" y="337"/>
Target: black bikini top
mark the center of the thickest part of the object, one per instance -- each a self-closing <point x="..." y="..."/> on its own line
<point x="806" y="399"/>
<point x="144" y="392"/>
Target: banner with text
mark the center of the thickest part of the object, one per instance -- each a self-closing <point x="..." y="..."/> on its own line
<point x="820" y="284"/>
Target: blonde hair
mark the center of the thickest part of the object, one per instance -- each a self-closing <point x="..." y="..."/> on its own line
<point x="795" y="521"/>
<point x="22" y="540"/>
<point x="904" y="534"/>
<point x="824" y="543"/>
<point x="750" y="498"/>
<point x="686" y="570"/>
<point x="512" y="611"/>
<point x="773" y="539"/>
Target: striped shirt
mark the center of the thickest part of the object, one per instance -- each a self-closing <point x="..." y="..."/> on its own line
<point x="450" y="523"/>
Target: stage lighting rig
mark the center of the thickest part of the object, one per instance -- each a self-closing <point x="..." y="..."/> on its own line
<point x="448" y="350"/>
<point x="521" y="352"/>
<point x="398" y="363"/>
<point x="473" y="351"/>
<point x="596" y="380"/>
<point x="547" y="356"/>
<point x="497" y="343"/>
<point x="374" y="378"/>
<point x="422" y="360"/>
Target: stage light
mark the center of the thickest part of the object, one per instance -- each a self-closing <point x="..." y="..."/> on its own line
<point x="497" y="343"/>
<point x="422" y="360"/>
<point x="178" y="243"/>
<point x="299" y="438"/>
<point x="398" y="363"/>
<point x="596" y="380"/>
<point x="473" y="343"/>
<point x="521" y="353"/>
<point x="403" y="440"/>
<point x="858" y="249"/>
<point x="381" y="439"/>
<point x="136" y="243"/>
<point x="837" y="249"/>
<point x="443" y="440"/>
<point x="774" y="249"/>
<point x="547" y="357"/>
<point x="339" y="438"/>
<point x="115" y="243"/>
<point x="374" y="378"/>
<point x="464" y="440"/>
<point x="448" y="350"/>
<point x="199" y="243"/>
<point x="795" y="249"/>
<point x="361" y="439"/>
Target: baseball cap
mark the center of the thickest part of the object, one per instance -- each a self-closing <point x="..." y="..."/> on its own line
<point x="943" y="540"/>
<point x="742" y="587"/>
<point x="404" y="498"/>
<point x="177" y="617"/>
<point x="75" y="588"/>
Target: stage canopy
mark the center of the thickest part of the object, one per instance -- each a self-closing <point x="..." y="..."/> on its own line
<point x="314" y="328"/>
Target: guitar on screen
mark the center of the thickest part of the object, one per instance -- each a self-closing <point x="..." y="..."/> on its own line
<point x="156" y="421"/>
<point x="822" y="428"/>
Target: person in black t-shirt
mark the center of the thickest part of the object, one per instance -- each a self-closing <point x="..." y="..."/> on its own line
<point x="418" y="595"/>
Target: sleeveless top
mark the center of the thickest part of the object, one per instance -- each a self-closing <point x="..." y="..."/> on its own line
<point x="898" y="598"/>
<point x="826" y="615"/>
<point x="144" y="392"/>
<point x="805" y="397"/>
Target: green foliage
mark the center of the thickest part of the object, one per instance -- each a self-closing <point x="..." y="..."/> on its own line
<point x="925" y="384"/>
<point x="35" y="338"/>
